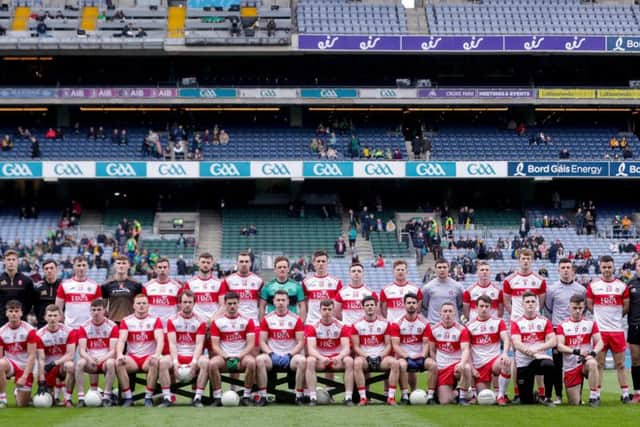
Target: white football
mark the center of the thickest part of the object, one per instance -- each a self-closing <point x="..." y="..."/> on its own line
<point x="323" y="396"/>
<point x="93" y="399"/>
<point x="184" y="373"/>
<point x="486" y="397"/>
<point x="42" y="400"/>
<point x="230" y="398"/>
<point x="418" y="397"/>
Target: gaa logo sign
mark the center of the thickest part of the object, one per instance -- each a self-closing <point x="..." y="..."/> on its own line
<point x="430" y="169"/>
<point x="328" y="93"/>
<point x="171" y="170"/>
<point x="327" y="169"/>
<point x="268" y="93"/>
<point x="223" y="169"/>
<point x="275" y="169"/>
<point x="67" y="169"/>
<point x="16" y="170"/>
<point x="378" y="170"/>
<point x="120" y="169"/>
<point x="388" y="93"/>
<point x="480" y="169"/>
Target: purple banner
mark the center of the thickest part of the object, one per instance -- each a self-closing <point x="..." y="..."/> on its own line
<point x="452" y="43"/>
<point x="469" y="43"/>
<point x="121" y="92"/>
<point x="477" y="93"/>
<point x="555" y="43"/>
<point x="363" y="43"/>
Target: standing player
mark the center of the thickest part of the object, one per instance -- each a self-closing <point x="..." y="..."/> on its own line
<point x="97" y="340"/>
<point x="349" y="299"/>
<point x="371" y="340"/>
<point x="487" y="360"/>
<point x="57" y="346"/>
<point x="319" y="287"/>
<point x="633" y="335"/>
<point x="162" y="292"/>
<point x="557" y="310"/>
<point x="282" y="343"/>
<point x="120" y="290"/>
<point x="579" y="341"/>
<point x="46" y="289"/>
<point x="391" y="296"/>
<point x="74" y="295"/>
<point x="142" y="335"/>
<point x="206" y="288"/>
<point x="247" y="285"/>
<point x="608" y="300"/>
<point x="328" y="349"/>
<point x="411" y="347"/>
<point x="449" y="341"/>
<point x="232" y="340"/>
<point x="520" y="282"/>
<point x="440" y="290"/>
<point x="186" y="332"/>
<point x="282" y="281"/>
<point x="484" y="286"/>
<point x="18" y="342"/>
<point x="15" y="286"/>
<point x="532" y="335"/>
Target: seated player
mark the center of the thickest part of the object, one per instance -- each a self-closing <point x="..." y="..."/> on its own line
<point x="233" y="342"/>
<point x="18" y="346"/>
<point x="282" y="343"/>
<point x="532" y="335"/>
<point x="328" y="350"/>
<point x="56" y="348"/>
<point x="371" y="340"/>
<point x="143" y="337"/>
<point x="487" y="360"/>
<point x="186" y="332"/>
<point x="449" y="341"/>
<point x="411" y="348"/>
<point x="579" y="342"/>
<point x="97" y="340"/>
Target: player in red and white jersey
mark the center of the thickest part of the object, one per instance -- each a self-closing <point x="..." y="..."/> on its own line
<point x="411" y="347"/>
<point x="247" y="285"/>
<point x="143" y="337"/>
<point x="186" y="331"/>
<point x="579" y="341"/>
<point x="487" y="360"/>
<point x="449" y="342"/>
<point x="282" y="343"/>
<point x="484" y="286"/>
<point x="206" y="288"/>
<point x="328" y="349"/>
<point x="608" y="300"/>
<point x="18" y="346"/>
<point x="97" y="340"/>
<point x="532" y="336"/>
<point x="371" y="340"/>
<point x="162" y="292"/>
<point x="56" y="348"/>
<point x="348" y="300"/>
<point x="232" y="340"/>
<point x="391" y="296"/>
<point x="74" y="295"/>
<point x="319" y="287"/>
<point x="524" y="280"/>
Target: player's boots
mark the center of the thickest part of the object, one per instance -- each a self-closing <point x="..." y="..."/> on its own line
<point x="348" y="402"/>
<point x="636" y="398"/>
<point x="404" y="400"/>
<point x="363" y="401"/>
<point x="126" y="403"/>
<point x="148" y="403"/>
<point x="245" y="401"/>
<point x="463" y="402"/>
<point x="313" y="402"/>
<point x="625" y="399"/>
<point x="81" y="404"/>
<point x="166" y="402"/>
<point x="197" y="403"/>
<point x="262" y="401"/>
<point x="547" y="402"/>
<point x="391" y="401"/>
<point x="299" y="401"/>
<point x="217" y="402"/>
<point x="502" y="401"/>
<point x="106" y="402"/>
<point x="594" y="403"/>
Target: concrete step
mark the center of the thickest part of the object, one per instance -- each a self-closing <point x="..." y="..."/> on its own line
<point x="210" y="238"/>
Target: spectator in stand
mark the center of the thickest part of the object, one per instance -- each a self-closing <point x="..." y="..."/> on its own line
<point x="524" y="227"/>
<point x="353" y="235"/>
<point x="7" y="143"/>
<point x="50" y="134"/>
<point x="271" y="27"/>
<point x="35" y="148"/>
<point x="626" y="224"/>
<point x="397" y="154"/>
<point x="579" y="221"/>
<point x="521" y="129"/>
<point x="252" y="230"/>
<point x="624" y="143"/>
<point x="91" y="133"/>
<point x="181" y="266"/>
<point x="614" y="144"/>
<point x="390" y="226"/>
<point x="115" y="136"/>
<point x="564" y="154"/>
<point x="224" y="137"/>
<point x="426" y="148"/>
<point x="379" y="262"/>
<point x="340" y="246"/>
<point x="416" y="147"/>
<point x="100" y="133"/>
<point x="124" y="138"/>
<point x="627" y="153"/>
<point x="589" y="222"/>
<point x="366" y="153"/>
<point x="354" y="146"/>
<point x="332" y="154"/>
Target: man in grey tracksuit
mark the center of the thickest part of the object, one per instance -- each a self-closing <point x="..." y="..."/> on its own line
<point x="440" y="290"/>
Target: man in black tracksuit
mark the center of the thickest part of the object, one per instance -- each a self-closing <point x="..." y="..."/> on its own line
<point x="633" y="336"/>
<point x="15" y="285"/>
<point x="46" y="289"/>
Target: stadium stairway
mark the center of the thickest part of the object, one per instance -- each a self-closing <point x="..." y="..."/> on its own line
<point x="210" y="238"/>
<point x="89" y="21"/>
<point x="176" y="22"/>
<point x="21" y="18"/>
<point x="416" y="21"/>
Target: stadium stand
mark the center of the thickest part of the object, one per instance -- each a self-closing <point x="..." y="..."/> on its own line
<point x="532" y="17"/>
<point x="342" y="17"/>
